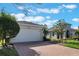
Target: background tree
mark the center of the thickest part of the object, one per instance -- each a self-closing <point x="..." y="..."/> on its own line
<point x="59" y="28"/>
<point x="9" y="28"/>
<point x="25" y="9"/>
<point x="77" y="33"/>
<point x="45" y="32"/>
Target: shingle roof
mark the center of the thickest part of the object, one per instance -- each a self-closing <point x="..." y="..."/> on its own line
<point x="25" y="22"/>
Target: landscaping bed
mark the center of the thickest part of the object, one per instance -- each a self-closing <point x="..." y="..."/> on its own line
<point x="8" y="51"/>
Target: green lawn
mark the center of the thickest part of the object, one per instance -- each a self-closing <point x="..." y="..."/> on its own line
<point x="72" y="43"/>
<point x="8" y="51"/>
<point x="68" y="42"/>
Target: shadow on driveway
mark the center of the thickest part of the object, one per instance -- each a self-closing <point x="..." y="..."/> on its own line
<point x="25" y="51"/>
<point x="44" y="49"/>
<point x="35" y="44"/>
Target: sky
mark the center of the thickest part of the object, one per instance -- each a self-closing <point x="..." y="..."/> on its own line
<point x="45" y="13"/>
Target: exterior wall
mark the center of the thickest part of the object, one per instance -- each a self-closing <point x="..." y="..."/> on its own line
<point x="71" y="33"/>
<point x="52" y="35"/>
<point x="64" y="35"/>
<point x="28" y="33"/>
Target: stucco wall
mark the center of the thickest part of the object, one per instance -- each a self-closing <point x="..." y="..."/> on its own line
<point x="28" y="33"/>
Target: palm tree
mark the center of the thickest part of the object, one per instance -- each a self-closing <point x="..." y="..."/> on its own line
<point x="59" y="28"/>
<point x="45" y="32"/>
<point x="77" y="33"/>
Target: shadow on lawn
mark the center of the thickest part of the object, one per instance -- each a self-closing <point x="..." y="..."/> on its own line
<point x="8" y="52"/>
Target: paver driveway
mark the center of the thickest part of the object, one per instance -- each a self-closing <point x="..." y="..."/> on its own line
<point x="44" y="49"/>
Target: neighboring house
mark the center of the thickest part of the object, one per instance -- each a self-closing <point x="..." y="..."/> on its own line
<point x="68" y="32"/>
<point x="28" y="32"/>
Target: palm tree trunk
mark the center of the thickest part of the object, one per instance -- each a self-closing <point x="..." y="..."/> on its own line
<point x="62" y="41"/>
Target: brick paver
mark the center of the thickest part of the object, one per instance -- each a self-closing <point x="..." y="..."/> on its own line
<point x="44" y="49"/>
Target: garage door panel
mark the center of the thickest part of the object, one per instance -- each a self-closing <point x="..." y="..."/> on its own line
<point x="26" y="35"/>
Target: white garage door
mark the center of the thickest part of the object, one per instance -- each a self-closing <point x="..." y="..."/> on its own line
<point x="27" y="35"/>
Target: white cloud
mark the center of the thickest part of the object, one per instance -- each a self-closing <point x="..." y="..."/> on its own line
<point x="50" y="23"/>
<point x="46" y="10"/>
<point x="20" y="7"/>
<point x="35" y="19"/>
<point x="75" y="27"/>
<point x="48" y="17"/>
<point x="19" y="16"/>
<point x="43" y="10"/>
<point x="55" y="11"/>
<point x="70" y="6"/>
<point x="75" y="19"/>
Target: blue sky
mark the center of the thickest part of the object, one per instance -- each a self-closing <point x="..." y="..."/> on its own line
<point x="46" y="13"/>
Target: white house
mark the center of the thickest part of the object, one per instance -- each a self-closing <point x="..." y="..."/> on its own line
<point x="68" y="32"/>
<point x="28" y="32"/>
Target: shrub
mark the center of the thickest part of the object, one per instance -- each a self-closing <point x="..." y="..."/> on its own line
<point x="9" y="27"/>
<point x="75" y="37"/>
<point x="46" y="39"/>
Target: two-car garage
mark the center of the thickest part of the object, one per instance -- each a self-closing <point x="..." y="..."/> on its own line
<point x="28" y="32"/>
